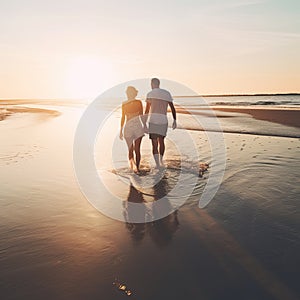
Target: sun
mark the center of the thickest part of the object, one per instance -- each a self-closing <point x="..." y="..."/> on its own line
<point x="87" y="76"/>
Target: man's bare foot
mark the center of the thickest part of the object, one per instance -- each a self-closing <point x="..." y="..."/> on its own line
<point x="157" y="167"/>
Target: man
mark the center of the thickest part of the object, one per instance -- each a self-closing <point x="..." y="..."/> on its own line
<point x="158" y="101"/>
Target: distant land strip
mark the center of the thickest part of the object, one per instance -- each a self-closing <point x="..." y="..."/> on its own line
<point x="239" y="95"/>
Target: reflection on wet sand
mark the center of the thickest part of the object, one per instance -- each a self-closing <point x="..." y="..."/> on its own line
<point x="160" y="231"/>
<point x="137" y="230"/>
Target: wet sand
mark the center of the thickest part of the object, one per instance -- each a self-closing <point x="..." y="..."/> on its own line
<point x="10" y="110"/>
<point x="55" y="245"/>
<point x="285" y="116"/>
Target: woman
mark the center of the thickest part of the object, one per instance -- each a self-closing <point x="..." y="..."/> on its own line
<point x="132" y="109"/>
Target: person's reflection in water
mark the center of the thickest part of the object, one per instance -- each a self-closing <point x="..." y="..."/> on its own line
<point x="160" y="231"/>
<point x="137" y="230"/>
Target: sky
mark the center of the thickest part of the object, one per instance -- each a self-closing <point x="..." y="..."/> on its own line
<point x="80" y="48"/>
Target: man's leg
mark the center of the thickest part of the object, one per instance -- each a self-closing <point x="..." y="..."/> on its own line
<point x="161" y="142"/>
<point x="155" y="151"/>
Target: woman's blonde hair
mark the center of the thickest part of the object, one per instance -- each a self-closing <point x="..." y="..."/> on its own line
<point x="131" y="92"/>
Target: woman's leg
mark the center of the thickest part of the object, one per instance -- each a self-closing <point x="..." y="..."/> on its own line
<point x="137" y="149"/>
<point x="130" y="157"/>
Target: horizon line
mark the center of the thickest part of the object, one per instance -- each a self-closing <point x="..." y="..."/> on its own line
<point x="181" y="96"/>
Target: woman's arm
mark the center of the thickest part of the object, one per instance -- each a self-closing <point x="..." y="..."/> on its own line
<point x="122" y="123"/>
<point x="141" y="109"/>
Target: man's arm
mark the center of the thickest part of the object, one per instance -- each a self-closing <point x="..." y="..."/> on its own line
<point x="145" y="116"/>
<point x="148" y="105"/>
<point x="174" y="114"/>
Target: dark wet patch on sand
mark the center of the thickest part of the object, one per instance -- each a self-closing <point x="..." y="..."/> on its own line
<point x="8" y="111"/>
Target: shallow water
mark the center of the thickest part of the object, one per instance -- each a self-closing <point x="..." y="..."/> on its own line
<point x="54" y="245"/>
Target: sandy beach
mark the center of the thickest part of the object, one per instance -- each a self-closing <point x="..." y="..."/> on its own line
<point x="285" y="116"/>
<point x="243" y="245"/>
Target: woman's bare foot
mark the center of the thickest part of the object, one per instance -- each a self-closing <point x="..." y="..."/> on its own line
<point x="132" y="165"/>
<point x="134" y="169"/>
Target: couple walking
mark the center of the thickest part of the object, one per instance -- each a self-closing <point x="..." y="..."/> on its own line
<point x="135" y="121"/>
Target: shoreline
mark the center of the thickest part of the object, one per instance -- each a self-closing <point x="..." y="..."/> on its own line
<point x="287" y="116"/>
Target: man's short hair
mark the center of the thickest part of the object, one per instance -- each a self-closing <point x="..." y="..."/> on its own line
<point x="155" y="81"/>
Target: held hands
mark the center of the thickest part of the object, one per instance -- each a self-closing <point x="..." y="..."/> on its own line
<point x="174" y="124"/>
<point x="146" y="130"/>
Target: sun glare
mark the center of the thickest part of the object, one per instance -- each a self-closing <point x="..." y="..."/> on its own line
<point x="87" y="76"/>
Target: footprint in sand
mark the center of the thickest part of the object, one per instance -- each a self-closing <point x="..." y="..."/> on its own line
<point x="25" y="152"/>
